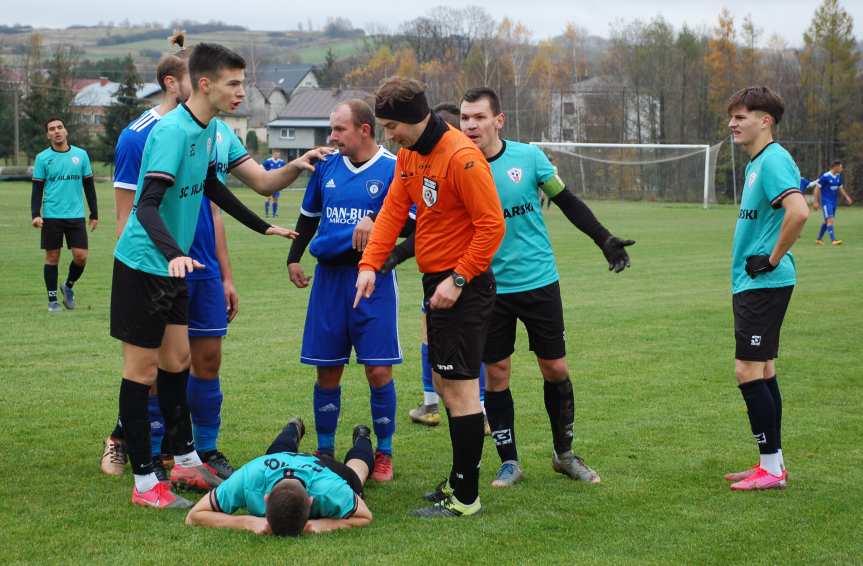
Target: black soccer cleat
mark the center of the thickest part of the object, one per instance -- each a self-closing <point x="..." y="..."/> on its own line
<point x="441" y="492"/>
<point x="361" y="431"/>
<point x="219" y="462"/>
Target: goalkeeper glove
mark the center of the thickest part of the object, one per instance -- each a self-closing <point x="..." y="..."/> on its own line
<point x="615" y="253"/>
<point x="758" y="264"/>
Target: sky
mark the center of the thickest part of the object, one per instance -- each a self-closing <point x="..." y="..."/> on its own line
<point x="545" y="18"/>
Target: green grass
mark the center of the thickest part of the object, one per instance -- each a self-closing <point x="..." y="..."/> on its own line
<point x="658" y="413"/>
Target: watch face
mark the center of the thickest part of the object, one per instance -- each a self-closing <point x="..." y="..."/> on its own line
<point x="459" y="280"/>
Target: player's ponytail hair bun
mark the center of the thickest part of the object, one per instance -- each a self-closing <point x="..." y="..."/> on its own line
<point x="178" y="38"/>
<point x="176" y="63"/>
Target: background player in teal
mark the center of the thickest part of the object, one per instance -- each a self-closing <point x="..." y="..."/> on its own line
<point x="826" y="196"/>
<point x="771" y="218"/>
<point x="57" y="208"/>
<point x="344" y="189"/>
<point x="527" y="286"/>
<point x="275" y="161"/>
<point x="288" y="493"/>
<point x="149" y="298"/>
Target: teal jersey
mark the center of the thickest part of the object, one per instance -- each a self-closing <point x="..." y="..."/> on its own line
<point x="524" y="260"/>
<point x="63" y="173"/>
<point x="332" y="497"/>
<point x="770" y="176"/>
<point x="230" y="151"/>
<point x="178" y="150"/>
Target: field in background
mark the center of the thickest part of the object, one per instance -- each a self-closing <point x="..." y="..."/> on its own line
<point x="658" y="414"/>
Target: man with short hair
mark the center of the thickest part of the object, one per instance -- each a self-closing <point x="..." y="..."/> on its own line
<point x="528" y="287"/>
<point x="287" y="493"/>
<point x="826" y="193"/>
<point x="772" y="214"/>
<point x="459" y="226"/>
<point x="149" y="297"/>
<point x="57" y="208"/>
<point x="275" y="161"/>
<point x="342" y="197"/>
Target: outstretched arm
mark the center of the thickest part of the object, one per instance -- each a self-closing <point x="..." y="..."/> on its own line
<point x="266" y="182"/>
<point x="227" y="201"/>
<point x="362" y="517"/>
<point x="204" y="514"/>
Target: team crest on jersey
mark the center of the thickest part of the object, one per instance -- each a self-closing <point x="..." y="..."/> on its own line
<point x="374" y="188"/>
<point x="751" y="180"/>
<point x="429" y="192"/>
<point x="515" y="174"/>
<point x="76" y="160"/>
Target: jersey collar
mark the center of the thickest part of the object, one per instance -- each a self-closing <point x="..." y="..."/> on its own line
<point x="499" y="153"/>
<point x="195" y="118"/>
<point x="434" y="131"/>
<point x="757" y="155"/>
<point x="354" y="169"/>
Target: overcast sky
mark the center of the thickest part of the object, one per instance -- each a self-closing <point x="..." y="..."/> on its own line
<point x="787" y="18"/>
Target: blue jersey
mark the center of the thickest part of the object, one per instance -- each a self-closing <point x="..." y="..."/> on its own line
<point x="342" y="195"/>
<point x="270" y="163"/>
<point x="830" y="185"/>
<point x="230" y="152"/>
<point x="130" y="148"/>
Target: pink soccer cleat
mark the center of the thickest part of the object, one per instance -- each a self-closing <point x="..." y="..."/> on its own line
<point x="761" y="479"/>
<point x="745" y="474"/>
<point x="197" y="478"/>
<point x="160" y="497"/>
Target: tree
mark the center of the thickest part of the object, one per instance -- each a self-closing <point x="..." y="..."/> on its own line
<point x="126" y="107"/>
<point x="252" y="144"/>
<point x="722" y="69"/>
<point x="750" y="56"/>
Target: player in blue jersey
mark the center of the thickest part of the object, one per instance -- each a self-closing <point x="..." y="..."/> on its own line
<point x="828" y="188"/>
<point x="288" y="493"/>
<point x="275" y="161"/>
<point x="149" y="297"/>
<point x="346" y="188"/>
<point x="527" y="286"/>
<point x="772" y="214"/>
<point x="57" y="208"/>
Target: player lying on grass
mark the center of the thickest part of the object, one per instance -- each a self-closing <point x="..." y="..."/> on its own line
<point x="287" y="493"/>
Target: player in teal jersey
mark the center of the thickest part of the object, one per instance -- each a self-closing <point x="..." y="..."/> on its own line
<point x="772" y="214"/>
<point x="527" y="285"/>
<point x="149" y="298"/>
<point x="57" y="208"/>
<point x="288" y="493"/>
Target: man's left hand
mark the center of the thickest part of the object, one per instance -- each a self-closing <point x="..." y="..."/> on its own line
<point x="232" y="300"/>
<point x="445" y="295"/>
<point x="758" y="264"/>
<point x="614" y="250"/>
<point x="362" y="233"/>
<point x="93" y="223"/>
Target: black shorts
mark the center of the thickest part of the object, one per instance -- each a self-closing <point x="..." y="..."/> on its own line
<point x="456" y="336"/>
<point x="54" y="229"/>
<point x="541" y="311"/>
<point x="758" y="316"/>
<point x="343" y="471"/>
<point x="142" y="305"/>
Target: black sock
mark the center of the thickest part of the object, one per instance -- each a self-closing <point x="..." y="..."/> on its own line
<point x="136" y="424"/>
<point x="362" y="450"/>
<point x="50" y="273"/>
<point x="175" y="410"/>
<point x="773" y="386"/>
<point x="560" y="406"/>
<point x="75" y="272"/>
<point x="118" y="429"/>
<point x="287" y="441"/>
<point x="762" y="414"/>
<point x="467" y="433"/>
<point x="500" y="411"/>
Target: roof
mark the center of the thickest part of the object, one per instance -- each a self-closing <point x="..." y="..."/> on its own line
<point x="284" y="76"/>
<point x="317" y="103"/>
<point x="98" y="94"/>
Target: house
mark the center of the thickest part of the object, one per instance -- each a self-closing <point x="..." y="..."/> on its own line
<point x="269" y="90"/>
<point x="305" y="122"/>
<point x="92" y="101"/>
<point x="239" y="121"/>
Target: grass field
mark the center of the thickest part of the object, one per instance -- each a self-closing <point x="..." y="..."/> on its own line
<point x="658" y="413"/>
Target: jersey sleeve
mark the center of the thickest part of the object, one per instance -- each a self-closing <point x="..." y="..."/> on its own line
<point x="388" y="224"/>
<point x="236" y="152"/>
<point x="86" y="166"/>
<point x="127" y="163"/>
<point x="546" y="174"/>
<point x="165" y="150"/>
<point x="312" y="204"/>
<point x="39" y="168"/>
<point x="782" y="179"/>
<point x="231" y="493"/>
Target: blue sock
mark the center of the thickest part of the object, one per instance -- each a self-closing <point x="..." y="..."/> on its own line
<point x="821" y="231"/>
<point x="275" y="208"/>
<point x="482" y="383"/>
<point x="157" y="425"/>
<point x="832" y="232"/>
<point x="327" y="404"/>
<point x="428" y="383"/>
<point x="205" y="405"/>
<point x="383" y="402"/>
<point x="266" y="208"/>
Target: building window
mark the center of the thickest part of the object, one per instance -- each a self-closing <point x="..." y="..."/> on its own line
<point x="568" y="135"/>
<point x="569" y="108"/>
<point x="288" y="133"/>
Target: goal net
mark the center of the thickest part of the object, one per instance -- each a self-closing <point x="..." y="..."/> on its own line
<point x="653" y="172"/>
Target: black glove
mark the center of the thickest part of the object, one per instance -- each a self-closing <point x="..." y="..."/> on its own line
<point x="615" y="254"/>
<point x="758" y="264"/>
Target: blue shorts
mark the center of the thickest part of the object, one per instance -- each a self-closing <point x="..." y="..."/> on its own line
<point x="208" y="312"/>
<point x="333" y="326"/>
<point x="828" y="209"/>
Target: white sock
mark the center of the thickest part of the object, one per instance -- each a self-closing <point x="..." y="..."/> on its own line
<point x="430" y="398"/>
<point x="189" y="460"/>
<point x="781" y="459"/>
<point x="772" y="463"/>
<point x="482" y="406"/>
<point x="146" y="482"/>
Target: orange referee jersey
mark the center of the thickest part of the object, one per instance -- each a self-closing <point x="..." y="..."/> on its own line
<point x="459" y="220"/>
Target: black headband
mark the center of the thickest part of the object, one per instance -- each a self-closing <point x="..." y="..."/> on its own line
<point x="411" y="111"/>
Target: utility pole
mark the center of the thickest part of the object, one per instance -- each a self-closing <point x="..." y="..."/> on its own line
<point x="15" y="121"/>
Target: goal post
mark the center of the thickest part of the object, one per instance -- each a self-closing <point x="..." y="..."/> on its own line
<point x="672" y="172"/>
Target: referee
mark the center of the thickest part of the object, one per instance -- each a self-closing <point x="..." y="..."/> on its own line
<point x="459" y="226"/>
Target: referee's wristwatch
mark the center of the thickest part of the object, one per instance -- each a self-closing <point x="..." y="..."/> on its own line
<point x="458" y="279"/>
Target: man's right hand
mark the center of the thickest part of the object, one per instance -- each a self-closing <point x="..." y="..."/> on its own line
<point x="259" y="525"/>
<point x="815" y="205"/>
<point x="37" y="222"/>
<point x="180" y="266"/>
<point x="298" y="276"/>
<point x="365" y="285"/>
<point x="307" y="160"/>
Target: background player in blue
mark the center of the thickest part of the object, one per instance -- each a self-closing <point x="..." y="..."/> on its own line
<point x="772" y="214"/>
<point x="288" y="493"/>
<point x="57" y="208"/>
<point x="826" y="196"/>
<point x="149" y="298"/>
<point x="345" y="188"/>
<point x="275" y="161"/>
<point x="527" y="286"/>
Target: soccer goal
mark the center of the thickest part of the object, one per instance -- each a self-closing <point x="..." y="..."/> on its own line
<point x="654" y="172"/>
